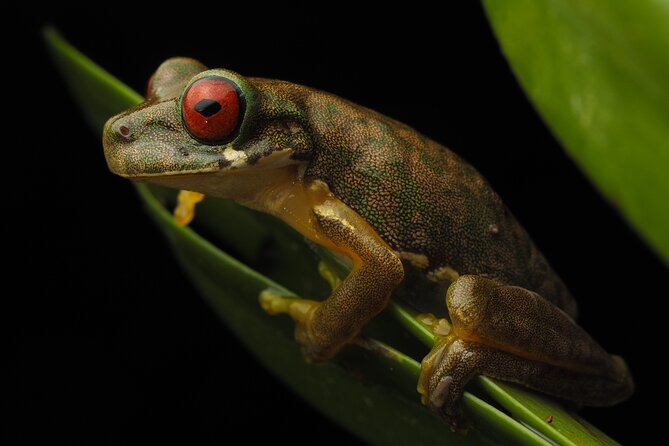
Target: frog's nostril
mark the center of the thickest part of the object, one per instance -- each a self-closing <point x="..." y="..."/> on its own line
<point x="123" y="131"/>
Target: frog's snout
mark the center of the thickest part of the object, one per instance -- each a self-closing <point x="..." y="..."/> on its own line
<point x="149" y="141"/>
<point x="117" y="135"/>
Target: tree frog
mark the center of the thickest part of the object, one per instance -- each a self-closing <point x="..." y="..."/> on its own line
<point x="411" y="218"/>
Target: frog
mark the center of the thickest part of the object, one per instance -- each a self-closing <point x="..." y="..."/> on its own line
<point x="412" y="220"/>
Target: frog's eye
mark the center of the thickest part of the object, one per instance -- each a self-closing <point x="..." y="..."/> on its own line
<point x="211" y="108"/>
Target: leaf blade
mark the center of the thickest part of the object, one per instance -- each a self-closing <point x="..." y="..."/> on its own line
<point x="99" y="94"/>
<point x="597" y="73"/>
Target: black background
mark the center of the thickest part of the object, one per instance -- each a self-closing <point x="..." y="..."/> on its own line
<point x="110" y="342"/>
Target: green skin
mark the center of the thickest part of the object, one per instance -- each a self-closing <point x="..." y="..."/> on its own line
<point x="409" y="215"/>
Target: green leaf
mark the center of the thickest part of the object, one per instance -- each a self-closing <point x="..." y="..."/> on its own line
<point x="382" y="408"/>
<point x="99" y="94"/>
<point x="598" y="73"/>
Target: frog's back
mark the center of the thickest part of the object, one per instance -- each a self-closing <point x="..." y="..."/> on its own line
<point x="427" y="203"/>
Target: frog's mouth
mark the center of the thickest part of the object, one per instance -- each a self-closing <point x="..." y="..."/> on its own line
<point x="252" y="187"/>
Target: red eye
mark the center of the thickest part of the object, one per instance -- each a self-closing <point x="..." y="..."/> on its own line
<point x="211" y="108"/>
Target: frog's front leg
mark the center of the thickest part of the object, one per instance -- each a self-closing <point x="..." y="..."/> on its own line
<point x="323" y="328"/>
<point x="513" y="334"/>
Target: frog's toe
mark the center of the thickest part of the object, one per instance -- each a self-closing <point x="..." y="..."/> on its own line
<point x="301" y="310"/>
<point x="184" y="211"/>
<point x="329" y="274"/>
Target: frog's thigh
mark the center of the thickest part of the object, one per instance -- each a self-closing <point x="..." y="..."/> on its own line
<point x="514" y="334"/>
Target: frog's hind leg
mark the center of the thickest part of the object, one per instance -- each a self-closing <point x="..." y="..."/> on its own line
<point x="513" y="334"/>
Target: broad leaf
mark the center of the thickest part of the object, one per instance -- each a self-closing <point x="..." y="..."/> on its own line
<point x="598" y="73"/>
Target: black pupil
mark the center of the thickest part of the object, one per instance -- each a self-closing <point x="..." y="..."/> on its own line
<point x="207" y="107"/>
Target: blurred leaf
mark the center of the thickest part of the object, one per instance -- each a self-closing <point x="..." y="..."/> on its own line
<point x="99" y="94"/>
<point x="374" y="394"/>
<point x="598" y="72"/>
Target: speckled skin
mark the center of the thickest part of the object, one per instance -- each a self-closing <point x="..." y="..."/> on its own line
<point x="413" y="218"/>
<point x="420" y="197"/>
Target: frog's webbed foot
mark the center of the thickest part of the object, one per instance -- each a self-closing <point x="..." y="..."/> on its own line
<point x="444" y="372"/>
<point x="438" y="372"/>
<point x="302" y="312"/>
<point x="513" y="334"/>
<point x="449" y="366"/>
<point x="184" y="211"/>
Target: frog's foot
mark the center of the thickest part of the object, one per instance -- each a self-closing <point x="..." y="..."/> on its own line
<point x="444" y="372"/>
<point x="302" y="311"/>
<point x="513" y="334"/>
<point x="184" y="211"/>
